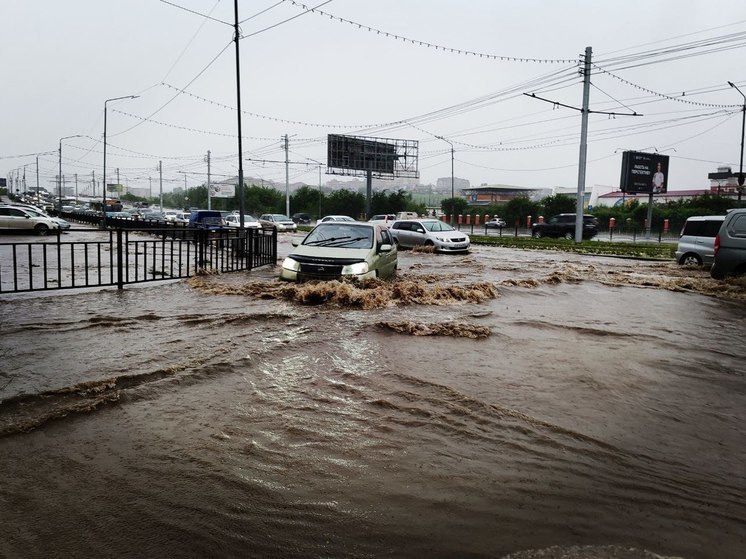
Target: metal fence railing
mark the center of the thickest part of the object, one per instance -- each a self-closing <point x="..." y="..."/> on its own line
<point x="84" y="258"/>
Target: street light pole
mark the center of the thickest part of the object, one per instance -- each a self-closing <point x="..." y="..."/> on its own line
<point x="59" y="193"/>
<point x="743" y="127"/>
<point x="103" y="197"/>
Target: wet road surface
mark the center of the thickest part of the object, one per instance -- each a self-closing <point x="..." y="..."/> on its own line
<point x="477" y="406"/>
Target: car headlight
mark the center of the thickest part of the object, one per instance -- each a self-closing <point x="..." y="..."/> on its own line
<point x="355" y="269"/>
<point x="290" y="264"/>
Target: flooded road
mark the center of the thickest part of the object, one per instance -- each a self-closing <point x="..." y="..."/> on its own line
<point x="477" y="406"/>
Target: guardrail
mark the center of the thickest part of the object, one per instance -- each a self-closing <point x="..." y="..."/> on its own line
<point x="117" y="257"/>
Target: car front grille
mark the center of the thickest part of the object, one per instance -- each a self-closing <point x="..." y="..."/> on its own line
<point x="323" y="271"/>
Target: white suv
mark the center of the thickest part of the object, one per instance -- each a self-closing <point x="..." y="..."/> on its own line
<point x="697" y="240"/>
<point x="12" y="217"/>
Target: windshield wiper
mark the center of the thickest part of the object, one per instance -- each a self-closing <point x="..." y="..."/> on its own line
<point x="325" y="241"/>
<point x="344" y="241"/>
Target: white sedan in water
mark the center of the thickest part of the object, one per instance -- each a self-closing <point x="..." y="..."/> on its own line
<point x="249" y="221"/>
<point x="409" y="233"/>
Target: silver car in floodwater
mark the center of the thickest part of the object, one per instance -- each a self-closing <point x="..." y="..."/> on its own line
<point x="342" y="249"/>
<point x="442" y="237"/>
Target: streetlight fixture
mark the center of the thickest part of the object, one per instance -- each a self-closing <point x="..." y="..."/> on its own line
<point x="743" y="126"/>
<point x="59" y="192"/>
<point x="453" y="191"/>
<point x="103" y="207"/>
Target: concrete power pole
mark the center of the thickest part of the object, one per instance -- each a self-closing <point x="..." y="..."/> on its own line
<point x="583" y="146"/>
<point x="287" y="179"/>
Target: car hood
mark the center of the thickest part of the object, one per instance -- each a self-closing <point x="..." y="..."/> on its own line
<point x="305" y="252"/>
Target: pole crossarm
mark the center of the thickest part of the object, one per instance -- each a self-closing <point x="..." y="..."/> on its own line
<point x="558" y="104"/>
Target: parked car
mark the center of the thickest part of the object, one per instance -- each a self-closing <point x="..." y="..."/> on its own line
<point x="20" y="218"/>
<point x="280" y="222"/>
<point x="329" y="218"/>
<point x="730" y="246"/>
<point x="429" y="232"/>
<point x="384" y="219"/>
<point x="302" y="219"/>
<point x="495" y="223"/>
<point x="38" y="212"/>
<point x="697" y="240"/>
<point x="249" y="221"/>
<point x="205" y="219"/>
<point x="342" y="249"/>
<point x="182" y="218"/>
<point x="563" y="225"/>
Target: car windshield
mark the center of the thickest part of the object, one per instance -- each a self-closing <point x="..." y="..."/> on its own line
<point x="340" y="235"/>
<point x="437" y="226"/>
<point x="279" y="217"/>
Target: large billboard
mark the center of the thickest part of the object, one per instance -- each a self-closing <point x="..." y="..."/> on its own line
<point x="381" y="157"/>
<point x="222" y="190"/>
<point x="644" y="173"/>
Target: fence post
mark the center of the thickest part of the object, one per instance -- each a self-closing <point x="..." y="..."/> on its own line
<point x="120" y="254"/>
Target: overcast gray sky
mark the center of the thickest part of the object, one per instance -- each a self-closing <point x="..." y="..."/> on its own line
<point x="335" y="70"/>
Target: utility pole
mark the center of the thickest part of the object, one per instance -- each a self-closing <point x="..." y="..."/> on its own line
<point x="583" y="146"/>
<point x="160" y="173"/>
<point x="76" y="187"/>
<point x="150" y="188"/>
<point x="585" y="111"/>
<point x="209" y="205"/>
<point x="37" y="175"/>
<point x="236" y="37"/>
<point x="287" y="179"/>
<point x="93" y="180"/>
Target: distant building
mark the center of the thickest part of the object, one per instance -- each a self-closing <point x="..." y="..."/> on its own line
<point x="444" y="184"/>
<point x="617" y="198"/>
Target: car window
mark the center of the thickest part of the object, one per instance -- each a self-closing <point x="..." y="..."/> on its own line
<point x="737" y="227"/>
<point x="711" y="228"/>
<point x="693" y="227"/>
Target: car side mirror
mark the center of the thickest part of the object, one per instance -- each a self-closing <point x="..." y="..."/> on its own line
<point x="295" y="242"/>
<point x="386" y="247"/>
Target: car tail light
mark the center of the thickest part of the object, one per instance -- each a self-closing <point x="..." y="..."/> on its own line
<point x="717" y="243"/>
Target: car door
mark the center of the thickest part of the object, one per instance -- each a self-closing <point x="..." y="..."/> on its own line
<point x="18" y="219"/>
<point x="402" y="232"/>
<point x="387" y="260"/>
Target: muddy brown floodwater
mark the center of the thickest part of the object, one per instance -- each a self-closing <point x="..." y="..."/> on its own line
<point x="531" y="404"/>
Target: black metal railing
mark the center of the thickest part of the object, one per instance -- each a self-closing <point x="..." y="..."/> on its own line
<point x="117" y="257"/>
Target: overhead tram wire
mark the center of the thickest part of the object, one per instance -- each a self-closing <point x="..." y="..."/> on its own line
<point x="205" y="20"/>
<point x="676" y="52"/>
<point x="668" y="39"/>
<point x="284" y="21"/>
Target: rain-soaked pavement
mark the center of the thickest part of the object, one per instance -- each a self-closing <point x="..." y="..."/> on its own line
<point x="537" y="404"/>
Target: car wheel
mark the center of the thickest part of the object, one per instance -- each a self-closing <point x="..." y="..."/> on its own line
<point x="41" y="229"/>
<point x="537" y="235"/>
<point x="690" y="259"/>
<point x="569" y="236"/>
<point x="428" y="243"/>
